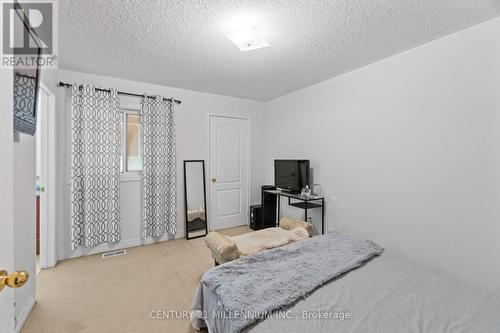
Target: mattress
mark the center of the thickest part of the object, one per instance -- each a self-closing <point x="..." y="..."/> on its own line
<point x="384" y="295"/>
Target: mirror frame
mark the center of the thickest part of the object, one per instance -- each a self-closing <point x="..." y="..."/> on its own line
<point x="204" y="198"/>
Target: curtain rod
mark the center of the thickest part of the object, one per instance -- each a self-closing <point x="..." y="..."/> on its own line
<point x="63" y="84"/>
<point x="26" y="76"/>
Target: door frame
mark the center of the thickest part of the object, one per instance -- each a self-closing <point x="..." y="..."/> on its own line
<point x="249" y="164"/>
<point x="48" y="165"/>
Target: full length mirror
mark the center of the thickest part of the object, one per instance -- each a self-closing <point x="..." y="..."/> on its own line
<point x="195" y="198"/>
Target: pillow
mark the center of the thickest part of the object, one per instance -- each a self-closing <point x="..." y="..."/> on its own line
<point x="288" y="223"/>
<point x="223" y="248"/>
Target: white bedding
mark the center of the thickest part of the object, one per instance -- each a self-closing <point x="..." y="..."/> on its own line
<point x="269" y="238"/>
<point x="194" y="214"/>
<point x="384" y="295"/>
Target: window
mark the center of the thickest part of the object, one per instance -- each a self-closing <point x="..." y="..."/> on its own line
<point x="131" y="142"/>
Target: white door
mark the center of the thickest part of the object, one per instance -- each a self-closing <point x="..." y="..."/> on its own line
<point x="45" y="142"/>
<point x="6" y="199"/>
<point x="7" y="262"/>
<point x="228" y="165"/>
<point x="6" y="249"/>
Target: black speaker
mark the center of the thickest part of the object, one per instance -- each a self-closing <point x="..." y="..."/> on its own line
<point x="256" y="217"/>
<point x="269" y="201"/>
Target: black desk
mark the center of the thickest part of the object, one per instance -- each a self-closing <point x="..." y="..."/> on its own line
<point x="302" y="203"/>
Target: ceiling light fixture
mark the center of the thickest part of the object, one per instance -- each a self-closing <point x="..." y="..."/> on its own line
<point x="248" y="39"/>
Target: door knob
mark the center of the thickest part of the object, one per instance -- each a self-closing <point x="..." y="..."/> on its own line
<point x="14" y="280"/>
<point x="214" y="179"/>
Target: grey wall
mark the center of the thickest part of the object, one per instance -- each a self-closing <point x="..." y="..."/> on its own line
<point x="407" y="151"/>
<point x="192" y="143"/>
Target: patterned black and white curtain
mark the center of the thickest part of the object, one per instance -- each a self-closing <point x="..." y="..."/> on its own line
<point x="158" y="149"/>
<point x="95" y="166"/>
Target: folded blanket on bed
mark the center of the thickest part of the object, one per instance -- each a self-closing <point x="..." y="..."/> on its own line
<point x="254" y="286"/>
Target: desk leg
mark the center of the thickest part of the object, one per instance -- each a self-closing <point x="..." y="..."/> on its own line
<point x="305" y="212"/>
<point x="278" y="203"/>
<point x="322" y="216"/>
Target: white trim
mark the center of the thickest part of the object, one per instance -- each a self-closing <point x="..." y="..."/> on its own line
<point x="124" y="162"/>
<point x="127" y="105"/>
<point x="48" y="161"/>
<point x="123" y="244"/>
<point x="25" y="313"/>
<point x="131" y="177"/>
<point x="249" y="164"/>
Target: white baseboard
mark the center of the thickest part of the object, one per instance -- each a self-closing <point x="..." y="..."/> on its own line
<point x="25" y="313"/>
<point x="123" y="244"/>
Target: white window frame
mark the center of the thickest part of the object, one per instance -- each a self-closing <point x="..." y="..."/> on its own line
<point x="128" y="175"/>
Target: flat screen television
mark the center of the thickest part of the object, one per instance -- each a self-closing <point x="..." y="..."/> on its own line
<point x="291" y="175"/>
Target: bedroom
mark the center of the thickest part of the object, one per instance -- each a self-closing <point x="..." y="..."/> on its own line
<point x="394" y="105"/>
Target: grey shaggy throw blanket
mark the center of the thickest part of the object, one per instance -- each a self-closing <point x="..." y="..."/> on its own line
<point x="270" y="280"/>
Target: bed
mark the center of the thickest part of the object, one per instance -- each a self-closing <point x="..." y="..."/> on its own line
<point x="378" y="295"/>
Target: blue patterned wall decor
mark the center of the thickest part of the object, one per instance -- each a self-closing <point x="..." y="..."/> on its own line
<point x="25" y="98"/>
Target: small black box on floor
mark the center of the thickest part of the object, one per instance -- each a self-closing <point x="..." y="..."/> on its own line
<point x="256" y="217"/>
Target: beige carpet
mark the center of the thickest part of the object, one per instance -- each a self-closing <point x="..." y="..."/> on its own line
<point x="117" y="294"/>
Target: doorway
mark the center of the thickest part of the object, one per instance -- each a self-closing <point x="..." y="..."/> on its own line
<point x="45" y="180"/>
<point x="229" y="171"/>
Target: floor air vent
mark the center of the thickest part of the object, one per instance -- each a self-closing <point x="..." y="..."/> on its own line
<point x="114" y="253"/>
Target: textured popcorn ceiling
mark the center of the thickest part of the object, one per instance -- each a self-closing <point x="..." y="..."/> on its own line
<point x="183" y="43"/>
